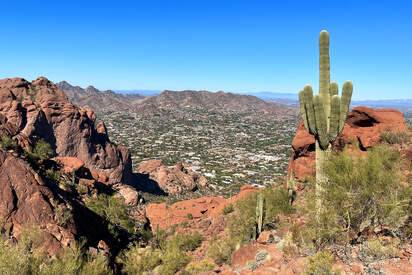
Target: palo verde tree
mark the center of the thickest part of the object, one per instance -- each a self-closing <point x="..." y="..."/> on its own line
<point x="324" y="114"/>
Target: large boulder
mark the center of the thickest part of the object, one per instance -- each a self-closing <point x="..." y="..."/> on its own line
<point x="39" y="110"/>
<point x="172" y="180"/>
<point x="362" y="128"/>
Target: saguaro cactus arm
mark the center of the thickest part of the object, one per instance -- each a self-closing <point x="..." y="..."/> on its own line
<point x="334" y="117"/>
<point x="345" y="103"/>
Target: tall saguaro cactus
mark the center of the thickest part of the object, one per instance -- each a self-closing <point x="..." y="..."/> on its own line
<point x="324" y="114"/>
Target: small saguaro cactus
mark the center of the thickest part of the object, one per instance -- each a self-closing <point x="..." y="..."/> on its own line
<point x="324" y="114"/>
<point x="259" y="212"/>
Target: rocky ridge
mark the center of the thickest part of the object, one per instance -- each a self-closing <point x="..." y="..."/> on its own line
<point x="178" y="103"/>
<point x="99" y="101"/>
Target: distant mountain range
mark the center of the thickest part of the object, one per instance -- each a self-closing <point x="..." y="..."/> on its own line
<point x="178" y="103"/>
<point x="146" y="102"/>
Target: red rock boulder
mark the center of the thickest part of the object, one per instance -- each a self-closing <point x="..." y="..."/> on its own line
<point x="363" y="126"/>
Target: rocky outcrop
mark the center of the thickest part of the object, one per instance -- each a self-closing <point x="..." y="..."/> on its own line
<point x="363" y="127"/>
<point x="172" y="180"/>
<point x="27" y="201"/>
<point x="39" y="110"/>
<point x="164" y="216"/>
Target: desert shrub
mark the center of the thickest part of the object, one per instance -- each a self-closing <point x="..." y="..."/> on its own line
<point x="229" y="208"/>
<point x="114" y="211"/>
<point x="159" y="239"/>
<point x="73" y="260"/>
<point x="41" y="151"/>
<point x="320" y="264"/>
<point x="189" y="216"/>
<point x="241" y="227"/>
<point x="26" y="257"/>
<point x="173" y="259"/>
<point x="138" y="260"/>
<point x="252" y="265"/>
<point x="14" y="259"/>
<point x="276" y="204"/>
<point x="166" y="256"/>
<point x="186" y="242"/>
<point x="379" y="249"/>
<point x="202" y="266"/>
<point x="7" y="143"/>
<point x="220" y="251"/>
<point x="393" y="137"/>
<point x="62" y="214"/>
<point x="363" y="191"/>
<point x="53" y="175"/>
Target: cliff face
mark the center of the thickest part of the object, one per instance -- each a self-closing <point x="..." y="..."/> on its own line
<point x="39" y="110"/>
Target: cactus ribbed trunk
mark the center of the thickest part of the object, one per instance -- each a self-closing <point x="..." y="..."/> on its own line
<point x="322" y="157"/>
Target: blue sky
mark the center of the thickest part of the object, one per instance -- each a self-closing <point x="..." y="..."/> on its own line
<point x="212" y="45"/>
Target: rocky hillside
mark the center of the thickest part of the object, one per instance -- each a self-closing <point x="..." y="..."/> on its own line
<point x="184" y="103"/>
<point x="98" y="101"/>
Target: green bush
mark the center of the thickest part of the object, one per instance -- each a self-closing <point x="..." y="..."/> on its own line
<point x="186" y="242"/>
<point x="7" y="143"/>
<point x="26" y="258"/>
<point x="379" y="249"/>
<point x="229" y="208"/>
<point x="203" y="266"/>
<point x="114" y="211"/>
<point x="41" y="151"/>
<point x="220" y="251"/>
<point x="393" y="137"/>
<point x="241" y="227"/>
<point x="53" y="175"/>
<point x="173" y="259"/>
<point x="320" y="264"/>
<point x="276" y="204"/>
<point x="62" y="214"/>
<point x="73" y="260"/>
<point x="362" y="192"/>
<point x="139" y="260"/>
<point x="166" y="256"/>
